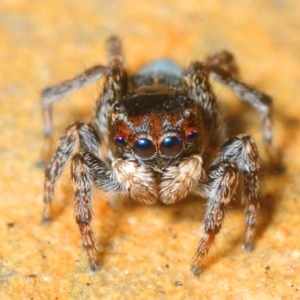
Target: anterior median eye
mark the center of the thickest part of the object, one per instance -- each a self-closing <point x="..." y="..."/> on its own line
<point x="171" y="145"/>
<point x="120" y="141"/>
<point x="144" y="147"/>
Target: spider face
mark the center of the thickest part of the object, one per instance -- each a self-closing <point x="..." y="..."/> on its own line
<point x="155" y="126"/>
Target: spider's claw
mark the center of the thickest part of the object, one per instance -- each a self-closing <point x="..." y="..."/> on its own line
<point x="94" y="266"/>
<point x="47" y="214"/>
<point x="195" y="271"/>
<point x="46" y="221"/>
<point x="248" y="247"/>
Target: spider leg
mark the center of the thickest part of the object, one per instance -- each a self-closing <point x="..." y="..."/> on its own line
<point x="87" y="141"/>
<point x="199" y="89"/>
<point x="115" y="52"/>
<point x="237" y="165"/>
<point x="224" y="60"/>
<point x="260" y="101"/>
<point x="52" y="94"/>
<point x="115" y="85"/>
<point x="223" y="69"/>
<point x="242" y="151"/>
<point x="82" y="184"/>
<point x="87" y="169"/>
<point x="223" y="184"/>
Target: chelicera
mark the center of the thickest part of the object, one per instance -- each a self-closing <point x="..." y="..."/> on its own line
<point x="157" y="135"/>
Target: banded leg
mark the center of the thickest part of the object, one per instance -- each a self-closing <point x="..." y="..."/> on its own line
<point x="115" y="52"/>
<point x="87" y="169"/>
<point x="82" y="184"/>
<point x="242" y="151"/>
<point x="199" y="89"/>
<point x="87" y="141"/>
<point x="52" y="94"/>
<point x="115" y="85"/>
<point x="222" y="68"/>
<point x="260" y="101"/>
<point x="224" y="179"/>
<point x="197" y="78"/>
<point x="236" y="166"/>
<point x="224" y="60"/>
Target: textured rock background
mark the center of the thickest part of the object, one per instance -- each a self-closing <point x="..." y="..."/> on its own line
<point x="146" y="250"/>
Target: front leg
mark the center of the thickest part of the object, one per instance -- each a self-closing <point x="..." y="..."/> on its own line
<point x="236" y="165"/>
<point x="242" y="151"/>
<point x="224" y="178"/>
<point x="82" y="184"/>
<point x="77" y="132"/>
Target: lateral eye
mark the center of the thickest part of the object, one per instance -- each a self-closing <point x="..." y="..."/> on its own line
<point x="120" y="142"/>
<point x="171" y="145"/>
<point x="144" y="147"/>
<point x="192" y="136"/>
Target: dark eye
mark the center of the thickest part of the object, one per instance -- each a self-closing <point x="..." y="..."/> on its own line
<point x="171" y="145"/>
<point x="120" y="142"/>
<point x="144" y="147"/>
<point x="192" y="136"/>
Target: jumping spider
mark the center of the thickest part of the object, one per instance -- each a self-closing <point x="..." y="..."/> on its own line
<point x="158" y="136"/>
